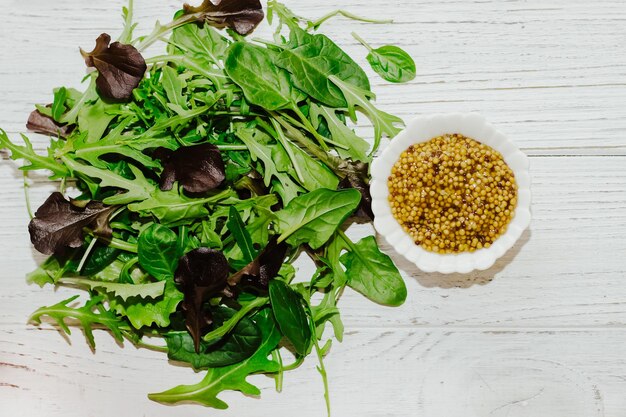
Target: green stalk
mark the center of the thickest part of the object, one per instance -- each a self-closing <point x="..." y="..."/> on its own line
<point x="278" y="377"/>
<point x="161" y="30"/>
<point x="320" y="357"/>
<point x="232" y="322"/>
<point x="27" y="194"/>
<point x="317" y="23"/>
<point x="362" y="41"/>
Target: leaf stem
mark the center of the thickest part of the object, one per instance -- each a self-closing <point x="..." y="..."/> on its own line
<point x="116" y="243"/>
<point x="316" y="24"/>
<point x="160" y="30"/>
<point x="142" y="344"/>
<point x="362" y="41"/>
<point x="27" y="194"/>
<point x="278" y="377"/>
<point x="232" y="322"/>
<point x="320" y="357"/>
<point x="310" y="128"/>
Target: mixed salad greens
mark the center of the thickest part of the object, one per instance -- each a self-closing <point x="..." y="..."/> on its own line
<point x="199" y="176"/>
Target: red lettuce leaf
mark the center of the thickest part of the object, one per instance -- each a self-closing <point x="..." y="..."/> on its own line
<point x="40" y="123"/>
<point x="197" y="168"/>
<point x="242" y="16"/>
<point x="58" y="224"/>
<point x="120" y="68"/>
<point x="263" y="268"/>
<point x="201" y="274"/>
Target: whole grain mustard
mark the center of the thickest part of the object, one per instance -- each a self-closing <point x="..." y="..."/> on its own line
<point x="452" y="194"/>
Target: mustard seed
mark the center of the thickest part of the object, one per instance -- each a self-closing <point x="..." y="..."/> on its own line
<point x="452" y="194"/>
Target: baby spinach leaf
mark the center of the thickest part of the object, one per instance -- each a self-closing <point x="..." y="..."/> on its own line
<point x="157" y="250"/>
<point x="58" y="105"/>
<point x="242" y="237"/>
<point x="99" y="258"/>
<point x="357" y="98"/>
<point x="313" y="217"/>
<point x="58" y="224"/>
<point x="254" y="70"/>
<point x="373" y="274"/>
<point x="390" y="62"/>
<point x="197" y="168"/>
<point x="232" y="377"/>
<point x="290" y="315"/>
<point x="239" y="344"/>
<point x="311" y="59"/>
<point x="240" y="15"/>
<point x="201" y="274"/>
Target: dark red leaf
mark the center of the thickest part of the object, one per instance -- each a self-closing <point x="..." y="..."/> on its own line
<point x="263" y="268"/>
<point x="197" y="168"/>
<point x="121" y="67"/>
<point x="40" y="123"/>
<point x="201" y="274"/>
<point x="58" y="224"/>
<point x="357" y="181"/>
<point x="242" y="16"/>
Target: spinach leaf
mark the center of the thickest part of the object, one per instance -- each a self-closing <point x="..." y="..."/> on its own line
<point x="239" y="344"/>
<point x="372" y="273"/>
<point x="263" y="83"/>
<point x="158" y="251"/>
<point x="390" y="62"/>
<point x="58" y="105"/>
<point x="312" y="218"/>
<point x="290" y="316"/>
<point x="99" y="258"/>
<point x="311" y="59"/>
<point x="242" y="237"/>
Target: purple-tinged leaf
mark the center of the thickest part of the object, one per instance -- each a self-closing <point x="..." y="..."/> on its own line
<point x="58" y="224"/>
<point x="197" y="168"/>
<point x="40" y="123"/>
<point x="121" y="67"/>
<point x="242" y="16"/>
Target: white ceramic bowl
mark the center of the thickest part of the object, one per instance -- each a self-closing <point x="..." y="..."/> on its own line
<point x="422" y="129"/>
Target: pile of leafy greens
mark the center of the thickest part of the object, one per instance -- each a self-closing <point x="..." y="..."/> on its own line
<point x="202" y="174"/>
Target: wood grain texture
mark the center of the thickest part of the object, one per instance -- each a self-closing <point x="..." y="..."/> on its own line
<point x="542" y="333"/>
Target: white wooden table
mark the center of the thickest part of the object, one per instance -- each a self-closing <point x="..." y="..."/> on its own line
<point x="542" y="334"/>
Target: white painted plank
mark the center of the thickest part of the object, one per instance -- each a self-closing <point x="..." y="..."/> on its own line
<point x="550" y="74"/>
<point x="393" y="372"/>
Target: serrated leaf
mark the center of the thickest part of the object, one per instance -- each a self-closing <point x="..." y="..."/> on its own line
<point x="232" y="377"/>
<point x="124" y="291"/>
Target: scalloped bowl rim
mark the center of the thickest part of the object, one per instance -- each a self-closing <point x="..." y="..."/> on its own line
<point x="422" y="129"/>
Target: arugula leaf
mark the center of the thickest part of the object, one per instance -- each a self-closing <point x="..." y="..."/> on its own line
<point x="357" y="98"/>
<point x="174" y="85"/>
<point x="28" y="154"/>
<point x="239" y="344"/>
<point x="312" y="218"/>
<point x="354" y="148"/>
<point x="290" y="315"/>
<point x="232" y="377"/>
<point x="158" y="251"/>
<point x="372" y="273"/>
<point x="92" y="313"/>
<point x="311" y="59"/>
<point x="146" y="312"/>
<point x="390" y="62"/>
<point x="94" y="118"/>
<point x="124" y="291"/>
<point x="201" y="43"/>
